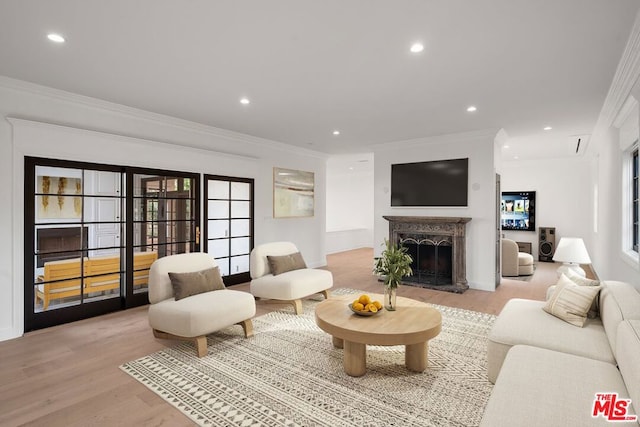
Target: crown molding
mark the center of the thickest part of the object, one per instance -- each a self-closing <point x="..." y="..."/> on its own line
<point x="74" y="130"/>
<point x="626" y="109"/>
<point x="447" y="138"/>
<point x="155" y="118"/>
<point x="623" y="81"/>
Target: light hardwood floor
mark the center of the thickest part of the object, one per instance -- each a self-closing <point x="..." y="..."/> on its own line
<point x="68" y="375"/>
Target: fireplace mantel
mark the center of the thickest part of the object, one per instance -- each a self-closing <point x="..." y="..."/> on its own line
<point x="429" y="219"/>
<point x="401" y="226"/>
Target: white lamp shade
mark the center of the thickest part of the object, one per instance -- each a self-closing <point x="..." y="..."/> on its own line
<point x="572" y="250"/>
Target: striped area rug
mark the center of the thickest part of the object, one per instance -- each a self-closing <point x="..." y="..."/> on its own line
<point x="289" y="374"/>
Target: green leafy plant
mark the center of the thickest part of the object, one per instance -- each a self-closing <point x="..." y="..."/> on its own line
<point x="394" y="263"/>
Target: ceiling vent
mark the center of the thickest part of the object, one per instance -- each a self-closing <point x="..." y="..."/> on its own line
<point x="578" y="144"/>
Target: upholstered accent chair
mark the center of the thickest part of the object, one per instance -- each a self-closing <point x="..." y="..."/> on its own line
<point x="193" y="317"/>
<point x="515" y="263"/>
<point x="279" y="274"/>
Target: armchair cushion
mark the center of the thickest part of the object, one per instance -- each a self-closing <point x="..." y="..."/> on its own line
<point x="283" y="263"/>
<point x="293" y="285"/>
<point x="196" y="282"/>
<point x="202" y="315"/>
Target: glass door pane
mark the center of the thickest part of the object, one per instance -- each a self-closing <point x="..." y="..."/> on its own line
<point x="77" y="229"/>
<point x="164" y="221"/>
<point x="229" y="225"/>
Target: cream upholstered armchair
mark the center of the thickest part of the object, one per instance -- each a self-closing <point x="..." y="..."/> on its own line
<point x="176" y="312"/>
<point x="279" y="274"/>
<point x="515" y="263"/>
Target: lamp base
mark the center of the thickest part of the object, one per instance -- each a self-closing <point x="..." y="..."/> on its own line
<point x="575" y="268"/>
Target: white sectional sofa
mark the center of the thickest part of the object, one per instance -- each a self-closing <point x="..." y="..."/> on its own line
<point x="547" y="372"/>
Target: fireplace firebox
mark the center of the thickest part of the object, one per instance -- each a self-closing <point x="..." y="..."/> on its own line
<point x="432" y="260"/>
<point x="55" y="244"/>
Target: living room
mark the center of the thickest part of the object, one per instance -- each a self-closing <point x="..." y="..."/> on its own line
<point x="578" y="193"/>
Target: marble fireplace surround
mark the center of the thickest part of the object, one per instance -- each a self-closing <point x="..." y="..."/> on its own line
<point x="435" y="227"/>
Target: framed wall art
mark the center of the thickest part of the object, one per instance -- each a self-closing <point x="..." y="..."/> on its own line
<point x="60" y="197"/>
<point x="293" y="193"/>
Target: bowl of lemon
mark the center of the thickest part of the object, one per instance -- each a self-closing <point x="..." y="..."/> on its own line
<point x="364" y="306"/>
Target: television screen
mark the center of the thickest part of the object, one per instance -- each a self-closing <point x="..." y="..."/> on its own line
<point x="440" y="183"/>
<point x="518" y="210"/>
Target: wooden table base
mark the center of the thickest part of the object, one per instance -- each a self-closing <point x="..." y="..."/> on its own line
<point x="415" y="357"/>
<point x="412" y="325"/>
<point x="355" y="357"/>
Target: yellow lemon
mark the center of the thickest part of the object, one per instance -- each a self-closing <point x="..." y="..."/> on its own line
<point x="364" y="299"/>
<point x="378" y="304"/>
<point x="357" y="300"/>
<point x="372" y="308"/>
<point x="357" y="306"/>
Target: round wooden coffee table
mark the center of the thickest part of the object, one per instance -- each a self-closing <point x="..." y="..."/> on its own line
<point x="413" y="324"/>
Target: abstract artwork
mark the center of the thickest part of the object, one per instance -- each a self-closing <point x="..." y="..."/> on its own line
<point x="293" y="193"/>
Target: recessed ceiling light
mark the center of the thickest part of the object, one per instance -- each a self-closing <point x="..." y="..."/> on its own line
<point x="547" y="128"/>
<point x="336" y="132"/>
<point x="516" y="157"/>
<point x="471" y="109"/>
<point x="416" y="48"/>
<point x="244" y="101"/>
<point x="55" y="38"/>
<point x="506" y="146"/>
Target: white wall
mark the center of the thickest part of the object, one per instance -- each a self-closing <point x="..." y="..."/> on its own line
<point x="479" y="148"/>
<point x="616" y="265"/>
<point x="349" y="202"/>
<point x="563" y="197"/>
<point x="95" y="131"/>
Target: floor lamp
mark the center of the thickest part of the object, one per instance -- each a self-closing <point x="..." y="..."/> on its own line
<point x="572" y="252"/>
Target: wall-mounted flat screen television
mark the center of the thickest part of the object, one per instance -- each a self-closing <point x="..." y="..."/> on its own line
<point x="439" y="183"/>
<point x="518" y="210"/>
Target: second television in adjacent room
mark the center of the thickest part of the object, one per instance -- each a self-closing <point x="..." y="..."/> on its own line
<point x="518" y="210"/>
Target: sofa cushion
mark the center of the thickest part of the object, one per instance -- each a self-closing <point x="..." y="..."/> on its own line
<point x="627" y="352"/>
<point x="523" y="321"/>
<point x="618" y="301"/>
<point x="571" y="302"/>
<point x="279" y="264"/>
<point x="203" y="313"/>
<point x="195" y="282"/>
<point x="540" y="387"/>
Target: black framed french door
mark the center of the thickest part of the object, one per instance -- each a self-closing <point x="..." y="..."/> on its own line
<point x="228" y="225"/>
<point x="165" y="210"/>
<point x="87" y="250"/>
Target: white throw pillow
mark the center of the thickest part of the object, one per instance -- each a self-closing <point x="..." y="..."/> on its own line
<point x="583" y="281"/>
<point x="579" y="280"/>
<point x="571" y="302"/>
